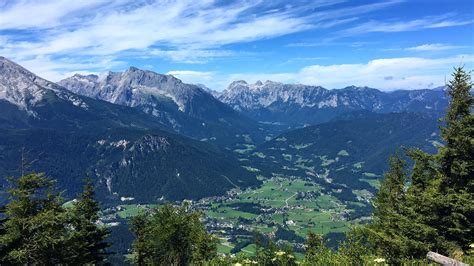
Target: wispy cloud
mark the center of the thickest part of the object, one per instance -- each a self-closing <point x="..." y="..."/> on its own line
<point x="184" y="31"/>
<point x="194" y="56"/>
<point x="304" y="59"/>
<point x="434" y="47"/>
<point x="442" y="21"/>
<point x="57" y="37"/>
<point x="193" y="77"/>
<point x="199" y="24"/>
<point x="27" y="14"/>
<point x="385" y="74"/>
<point x="60" y="68"/>
<point x="329" y="42"/>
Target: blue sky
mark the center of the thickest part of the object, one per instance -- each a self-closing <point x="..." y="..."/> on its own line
<point x="393" y="44"/>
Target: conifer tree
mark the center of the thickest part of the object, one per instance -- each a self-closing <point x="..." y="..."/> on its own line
<point x="87" y="241"/>
<point x="267" y="254"/>
<point x="456" y="160"/>
<point x="354" y="248"/>
<point x="314" y="243"/>
<point x="171" y="236"/>
<point x="391" y="193"/>
<point x="206" y="247"/>
<point x="435" y="211"/>
<point x="457" y="156"/>
<point x="317" y="253"/>
<point x="390" y="222"/>
<point x="35" y="230"/>
<point x="419" y="205"/>
<point x="142" y="246"/>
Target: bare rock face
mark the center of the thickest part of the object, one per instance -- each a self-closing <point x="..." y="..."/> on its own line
<point x="133" y="88"/>
<point x="24" y="89"/>
<point x="296" y="103"/>
<point x="258" y="95"/>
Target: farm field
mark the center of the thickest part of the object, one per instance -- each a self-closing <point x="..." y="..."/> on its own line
<point x="295" y="206"/>
<point x="283" y="209"/>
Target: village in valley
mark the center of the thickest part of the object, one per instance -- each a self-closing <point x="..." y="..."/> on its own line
<point x="281" y="208"/>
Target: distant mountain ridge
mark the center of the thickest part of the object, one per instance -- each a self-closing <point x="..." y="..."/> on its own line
<point x="127" y="152"/>
<point x="304" y="104"/>
<point x="188" y="109"/>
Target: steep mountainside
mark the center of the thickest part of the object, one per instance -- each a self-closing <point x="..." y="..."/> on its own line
<point x="69" y="136"/>
<point x="187" y="109"/>
<point x="293" y="104"/>
<point x="348" y="153"/>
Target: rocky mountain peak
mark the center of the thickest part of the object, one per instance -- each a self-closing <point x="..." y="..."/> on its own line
<point x="9" y="69"/>
<point x="357" y="88"/>
<point x="132" y="69"/>
<point x="270" y="82"/>
<point x="214" y="93"/>
<point x="238" y="83"/>
<point x="133" y="87"/>
<point x="89" y="77"/>
<point x="24" y="89"/>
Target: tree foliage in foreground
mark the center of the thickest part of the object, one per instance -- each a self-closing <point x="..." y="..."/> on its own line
<point x="171" y="236"/>
<point x="431" y="205"/>
<point x="37" y="229"/>
<point x="87" y="240"/>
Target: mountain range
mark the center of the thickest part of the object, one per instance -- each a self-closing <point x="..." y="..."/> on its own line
<point x="297" y="104"/>
<point x="146" y="135"/>
<point x="127" y="152"/>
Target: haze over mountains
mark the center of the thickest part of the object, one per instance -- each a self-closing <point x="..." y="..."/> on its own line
<point x="146" y="135"/>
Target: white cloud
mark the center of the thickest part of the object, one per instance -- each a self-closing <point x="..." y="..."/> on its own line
<point x="193" y="77"/>
<point x="56" y="38"/>
<point x="183" y="31"/>
<point x="200" y="24"/>
<point x="385" y="74"/>
<point x="442" y="21"/>
<point x="434" y="47"/>
<point x="58" y="69"/>
<point x="27" y="14"/>
<point x="192" y="56"/>
<point x="405" y="73"/>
